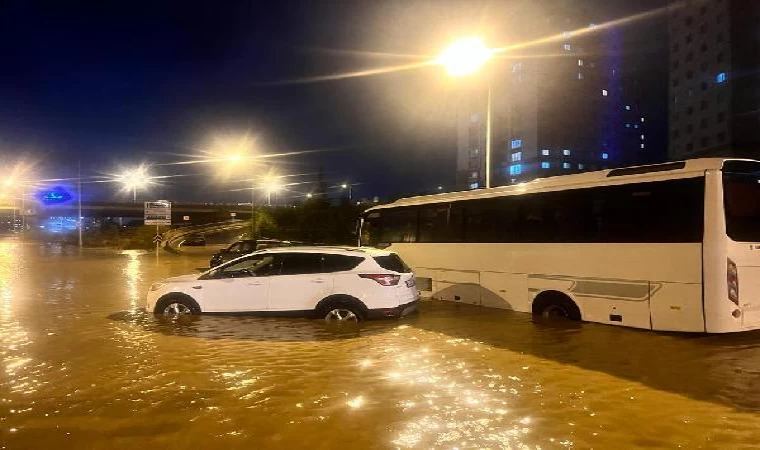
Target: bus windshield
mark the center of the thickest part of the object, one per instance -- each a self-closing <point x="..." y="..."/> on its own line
<point x="741" y="196"/>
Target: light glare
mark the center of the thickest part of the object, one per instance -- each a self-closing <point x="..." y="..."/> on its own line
<point x="465" y="56"/>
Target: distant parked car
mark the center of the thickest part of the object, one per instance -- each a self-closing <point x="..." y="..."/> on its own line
<point x="338" y="284"/>
<point x="244" y="247"/>
<point x="194" y="241"/>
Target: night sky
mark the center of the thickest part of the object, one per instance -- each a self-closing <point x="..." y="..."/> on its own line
<point x="118" y="83"/>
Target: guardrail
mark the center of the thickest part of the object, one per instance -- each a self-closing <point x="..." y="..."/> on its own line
<point x="174" y="236"/>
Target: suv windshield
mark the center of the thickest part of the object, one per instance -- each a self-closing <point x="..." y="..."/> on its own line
<point x="392" y="262"/>
<point x="741" y="196"/>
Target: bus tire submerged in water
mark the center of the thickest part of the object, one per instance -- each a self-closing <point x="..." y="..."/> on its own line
<point x="552" y="304"/>
<point x="177" y="304"/>
<point x="341" y="308"/>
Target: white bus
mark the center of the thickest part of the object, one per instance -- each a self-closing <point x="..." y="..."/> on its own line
<point x="672" y="246"/>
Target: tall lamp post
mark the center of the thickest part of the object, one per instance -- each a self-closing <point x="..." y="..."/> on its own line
<point x="465" y="57"/>
<point x="134" y="179"/>
<point x="350" y="188"/>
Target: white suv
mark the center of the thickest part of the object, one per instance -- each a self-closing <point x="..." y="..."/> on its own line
<point x="334" y="283"/>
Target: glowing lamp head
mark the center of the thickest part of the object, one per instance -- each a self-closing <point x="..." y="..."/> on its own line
<point x="137" y="178"/>
<point x="465" y="57"/>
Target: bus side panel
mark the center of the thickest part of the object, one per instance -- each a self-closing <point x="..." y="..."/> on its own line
<point x="677" y="306"/>
<point x="504" y="290"/>
<point x="457" y="286"/>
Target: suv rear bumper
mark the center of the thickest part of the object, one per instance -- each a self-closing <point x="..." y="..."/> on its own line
<point x="398" y="311"/>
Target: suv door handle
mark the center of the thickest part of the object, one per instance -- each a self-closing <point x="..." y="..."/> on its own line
<point x="255" y="283"/>
<point x="318" y="280"/>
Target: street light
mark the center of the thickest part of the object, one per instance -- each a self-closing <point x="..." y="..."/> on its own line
<point x="465" y="57"/>
<point x="348" y="186"/>
<point x="134" y="179"/>
<point x="271" y="184"/>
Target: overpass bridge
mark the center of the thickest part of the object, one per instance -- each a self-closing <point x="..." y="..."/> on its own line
<point x="198" y="213"/>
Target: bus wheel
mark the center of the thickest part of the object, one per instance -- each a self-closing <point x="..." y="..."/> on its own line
<point x="553" y="304"/>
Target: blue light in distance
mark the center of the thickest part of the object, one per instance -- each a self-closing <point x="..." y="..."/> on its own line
<point x="721" y="77"/>
<point x="54" y="196"/>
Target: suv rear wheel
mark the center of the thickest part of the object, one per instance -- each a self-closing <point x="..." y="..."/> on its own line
<point x="341" y="309"/>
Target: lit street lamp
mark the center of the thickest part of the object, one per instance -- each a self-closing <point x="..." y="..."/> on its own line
<point x="465" y="57"/>
<point x="350" y="188"/>
<point x="271" y="185"/>
<point x="134" y="179"/>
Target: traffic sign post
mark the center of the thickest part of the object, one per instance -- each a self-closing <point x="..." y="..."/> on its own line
<point x="158" y="213"/>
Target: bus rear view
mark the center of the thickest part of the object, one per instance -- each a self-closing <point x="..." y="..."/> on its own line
<point x="732" y="249"/>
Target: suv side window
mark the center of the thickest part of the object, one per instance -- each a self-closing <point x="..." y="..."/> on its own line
<point x="258" y="265"/>
<point x="340" y="263"/>
<point x="301" y="263"/>
<point x="246" y="247"/>
<point x="234" y="248"/>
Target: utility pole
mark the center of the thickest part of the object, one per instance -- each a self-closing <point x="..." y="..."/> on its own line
<point x="79" y="201"/>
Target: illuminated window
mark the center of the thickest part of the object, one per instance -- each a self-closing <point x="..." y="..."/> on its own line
<point x="474" y="185"/>
<point x="474" y="175"/>
<point x="604" y="92"/>
<point x="642" y="137"/>
<point x="642" y="145"/>
<point x="567" y="47"/>
<point x="627" y="107"/>
<point x="517" y="156"/>
<point x="580" y="75"/>
<point x="605" y="156"/>
<point x="721" y="77"/>
<point x="516" y="143"/>
<point x="515" y="169"/>
<point x="642" y="119"/>
<point x="566" y="152"/>
<point x="580" y="63"/>
<point x="545" y="152"/>
<point x="565" y="165"/>
<point x="545" y="165"/>
<point x="580" y="166"/>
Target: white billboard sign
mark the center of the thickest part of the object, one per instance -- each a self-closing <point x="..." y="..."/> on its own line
<point x="158" y="213"/>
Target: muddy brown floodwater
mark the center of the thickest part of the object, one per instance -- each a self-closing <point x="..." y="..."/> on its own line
<point x="83" y="366"/>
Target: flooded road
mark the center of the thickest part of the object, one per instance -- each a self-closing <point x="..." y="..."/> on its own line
<point x="84" y="367"/>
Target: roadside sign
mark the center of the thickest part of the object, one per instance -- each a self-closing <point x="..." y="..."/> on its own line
<point x="158" y="213"/>
<point x="233" y="214"/>
<point x="157" y="239"/>
<point x="185" y="218"/>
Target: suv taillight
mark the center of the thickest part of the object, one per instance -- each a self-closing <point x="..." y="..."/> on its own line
<point x="384" y="279"/>
<point x="732" y="275"/>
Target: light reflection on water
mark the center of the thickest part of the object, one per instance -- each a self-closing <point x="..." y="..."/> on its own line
<point x="85" y="367"/>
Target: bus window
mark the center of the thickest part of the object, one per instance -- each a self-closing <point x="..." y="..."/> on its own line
<point x="434" y="223"/>
<point x="371" y="227"/>
<point x="399" y="225"/>
<point x="657" y="212"/>
<point x="741" y="196"/>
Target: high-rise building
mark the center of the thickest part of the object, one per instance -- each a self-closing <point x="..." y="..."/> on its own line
<point x="572" y="105"/>
<point x="714" y="90"/>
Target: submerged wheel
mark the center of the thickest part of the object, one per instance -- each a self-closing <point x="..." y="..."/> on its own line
<point x="555" y="310"/>
<point x="342" y="314"/>
<point x="554" y="304"/>
<point x="175" y="305"/>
